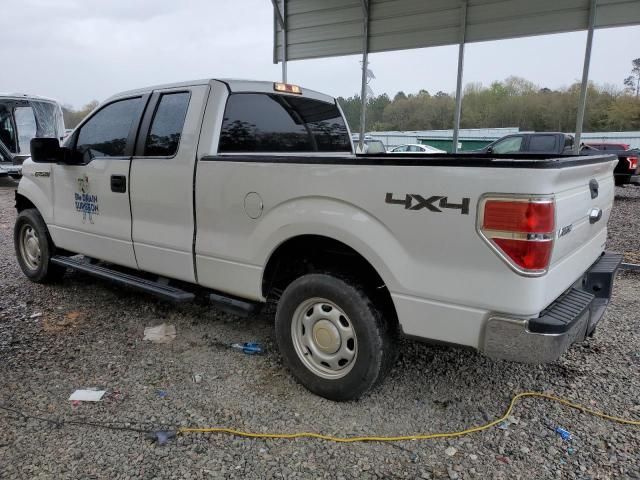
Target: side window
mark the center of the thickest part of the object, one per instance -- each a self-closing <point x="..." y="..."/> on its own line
<point x="27" y="128"/>
<point x="508" y="145"/>
<point x="568" y="143"/>
<point x="106" y="133"/>
<point x="167" y="124"/>
<point x="7" y="133"/>
<point x="257" y="122"/>
<point x="542" y="143"/>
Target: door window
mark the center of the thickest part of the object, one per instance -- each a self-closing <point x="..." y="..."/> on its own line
<point x="27" y="128"/>
<point x="257" y="122"/>
<point x="401" y="148"/>
<point x="508" y="145"/>
<point x="542" y="143"/>
<point x="7" y="132"/>
<point x="167" y="124"/>
<point x="106" y="133"/>
<point x="415" y="148"/>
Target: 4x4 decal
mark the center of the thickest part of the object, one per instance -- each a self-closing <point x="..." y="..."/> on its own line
<point x="413" y="201"/>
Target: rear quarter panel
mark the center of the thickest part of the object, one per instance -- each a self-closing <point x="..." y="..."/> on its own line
<point x="433" y="259"/>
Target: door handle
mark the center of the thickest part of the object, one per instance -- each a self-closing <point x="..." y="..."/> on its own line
<point x="118" y="183"/>
<point x="595" y="215"/>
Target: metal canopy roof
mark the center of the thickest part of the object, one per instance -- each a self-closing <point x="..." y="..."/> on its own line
<point x="306" y="29"/>
<point x="324" y="28"/>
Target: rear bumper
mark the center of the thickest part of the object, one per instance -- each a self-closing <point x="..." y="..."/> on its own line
<point x="570" y="318"/>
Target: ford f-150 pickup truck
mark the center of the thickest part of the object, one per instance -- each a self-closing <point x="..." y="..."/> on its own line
<point x="250" y="192"/>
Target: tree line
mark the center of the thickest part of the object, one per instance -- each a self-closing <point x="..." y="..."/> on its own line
<point x="514" y="102"/>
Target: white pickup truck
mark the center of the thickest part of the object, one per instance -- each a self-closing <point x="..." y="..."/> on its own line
<point x="250" y="191"/>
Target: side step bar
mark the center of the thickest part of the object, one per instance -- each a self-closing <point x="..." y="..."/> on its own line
<point x="235" y="306"/>
<point x="155" y="288"/>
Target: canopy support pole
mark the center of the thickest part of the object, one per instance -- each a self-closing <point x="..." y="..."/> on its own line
<point x="458" y="111"/>
<point x="365" y="63"/>
<point x="582" y="103"/>
<point x="280" y="16"/>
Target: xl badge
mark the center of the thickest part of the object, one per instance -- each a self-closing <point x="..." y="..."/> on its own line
<point x="434" y="203"/>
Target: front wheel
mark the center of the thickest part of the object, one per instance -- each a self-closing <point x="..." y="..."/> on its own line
<point x="332" y="337"/>
<point x="34" y="248"/>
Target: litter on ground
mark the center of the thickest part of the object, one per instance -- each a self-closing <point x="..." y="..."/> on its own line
<point x="87" y="395"/>
<point x="163" y="333"/>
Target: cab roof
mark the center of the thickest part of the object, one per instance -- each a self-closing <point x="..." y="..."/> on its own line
<point x="234" y="86"/>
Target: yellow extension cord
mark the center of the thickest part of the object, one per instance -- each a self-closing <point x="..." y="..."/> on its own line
<point x="426" y="436"/>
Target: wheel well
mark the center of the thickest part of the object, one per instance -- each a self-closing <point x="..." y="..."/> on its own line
<point x="315" y="253"/>
<point x="22" y="203"/>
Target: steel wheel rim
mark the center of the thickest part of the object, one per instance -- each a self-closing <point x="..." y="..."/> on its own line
<point x="30" y="247"/>
<point x="324" y="338"/>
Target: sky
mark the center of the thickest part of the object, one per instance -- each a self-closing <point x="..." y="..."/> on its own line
<point x="79" y="50"/>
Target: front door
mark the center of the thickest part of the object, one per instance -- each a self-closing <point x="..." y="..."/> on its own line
<point x="91" y="211"/>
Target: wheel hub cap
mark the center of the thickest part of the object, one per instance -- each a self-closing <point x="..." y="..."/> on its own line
<point x="326" y="336"/>
<point x="30" y="247"/>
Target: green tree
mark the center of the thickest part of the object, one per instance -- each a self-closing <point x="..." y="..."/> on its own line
<point x="632" y="82"/>
<point x="73" y="117"/>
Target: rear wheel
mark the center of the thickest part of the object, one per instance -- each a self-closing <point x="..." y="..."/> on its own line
<point x="332" y="337"/>
<point x="34" y="247"/>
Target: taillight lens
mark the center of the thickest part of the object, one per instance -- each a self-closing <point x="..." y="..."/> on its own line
<point x="633" y="162"/>
<point x="521" y="231"/>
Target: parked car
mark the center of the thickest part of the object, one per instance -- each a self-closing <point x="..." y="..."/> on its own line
<point x="416" y="148"/>
<point x="608" y="146"/>
<point x="627" y="170"/>
<point x="250" y="191"/>
<point x="23" y="117"/>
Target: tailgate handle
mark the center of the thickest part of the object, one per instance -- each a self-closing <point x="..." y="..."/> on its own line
<point x="593" y="186"/>
<point x="595" y="214"/>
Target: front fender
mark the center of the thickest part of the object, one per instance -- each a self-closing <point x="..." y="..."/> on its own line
<point x="36" y="185"/>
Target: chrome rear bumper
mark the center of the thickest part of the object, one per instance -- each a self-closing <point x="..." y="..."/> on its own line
<point x="571" y="318"/>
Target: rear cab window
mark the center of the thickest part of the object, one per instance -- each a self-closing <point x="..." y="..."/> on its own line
<point x="273" y="123"/>
<point x="542" y="143"/>
<point x="164" y="135"/>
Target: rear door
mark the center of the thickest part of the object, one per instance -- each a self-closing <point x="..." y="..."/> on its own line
<point x="162" y="179"/>
<point x="91" y="211"/>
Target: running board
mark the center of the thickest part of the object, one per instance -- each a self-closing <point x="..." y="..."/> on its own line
<point x="235" y="306"/>
<point x="149" y="286"/>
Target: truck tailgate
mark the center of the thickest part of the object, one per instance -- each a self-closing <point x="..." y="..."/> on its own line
<point x="584" y="198"/>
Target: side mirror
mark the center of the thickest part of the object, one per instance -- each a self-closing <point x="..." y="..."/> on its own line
<point x="46" y="150"/>
<point x="489" y="150"/>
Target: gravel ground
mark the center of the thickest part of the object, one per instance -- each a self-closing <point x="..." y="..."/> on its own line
<point x="86" y="333"/>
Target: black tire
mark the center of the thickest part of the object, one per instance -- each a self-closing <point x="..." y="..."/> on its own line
<point x="374" y="336"/>
<point x="37" y="268"/>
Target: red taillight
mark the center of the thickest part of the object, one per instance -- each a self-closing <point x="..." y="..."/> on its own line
<point x="633" y="162"/>
<point x="521" y="230"/>
<point x="526" y="254"/>
<point x="526" y="217"/>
